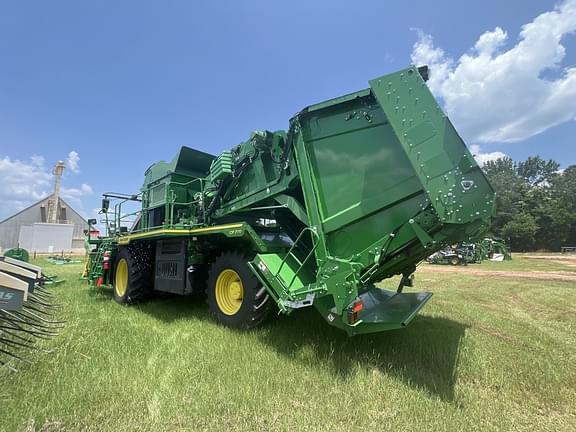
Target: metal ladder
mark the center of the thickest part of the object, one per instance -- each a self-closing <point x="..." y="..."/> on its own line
<point x="96" y="261"/>
<point x="290" y="253"/>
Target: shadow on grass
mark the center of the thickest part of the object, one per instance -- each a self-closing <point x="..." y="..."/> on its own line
<point x="424" y="355"/>
<point x="101" y="293"/>
<point x="162" y="306"/>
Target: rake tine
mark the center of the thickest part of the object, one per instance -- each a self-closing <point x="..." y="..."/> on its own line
<point x="11" y="342"/>
<point x="8" y="353"/>
<point x="36" y="333"/>
<point x="43" y="291"/>
<point x="38" y="300"/>
<point x="22" y="317"/>
<point x="8" y="366"/>
<point x="31" y="345"/>
<point x="49" y="309"/>
<point x="14" y="335"/>
<point x="43" y="295"/>
<point x="39" y="328"/>
<point x="30" y="323"/>
<point x="29" y="306"/>
<point x="34" y="316"/>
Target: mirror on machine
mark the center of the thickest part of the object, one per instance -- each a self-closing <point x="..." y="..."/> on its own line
<point x="105" y="205"/>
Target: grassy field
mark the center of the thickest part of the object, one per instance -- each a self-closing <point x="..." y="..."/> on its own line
<point x="486" y="354"/>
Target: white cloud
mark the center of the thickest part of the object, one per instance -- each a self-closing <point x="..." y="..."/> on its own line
<point x="498" y="95"/>
<point x="482" y="157"/>
<point x="72" y="161"/>
<point x="25" y="182"/>
<point x="76" y="193"/>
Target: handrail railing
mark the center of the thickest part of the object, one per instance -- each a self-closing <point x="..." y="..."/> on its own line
<point x="316" y="241"/>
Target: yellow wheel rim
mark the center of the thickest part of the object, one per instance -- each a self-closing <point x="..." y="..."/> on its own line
<point x="121" y="279"/>
<point x="229" y="292"/>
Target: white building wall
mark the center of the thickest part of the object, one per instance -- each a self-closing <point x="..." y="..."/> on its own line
<point x="51" y="238"/>
<point x="26" y="237"/>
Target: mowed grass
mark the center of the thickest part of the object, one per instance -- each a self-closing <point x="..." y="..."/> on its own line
<point x="486" y="354"/>
<point x="533" y="262"/>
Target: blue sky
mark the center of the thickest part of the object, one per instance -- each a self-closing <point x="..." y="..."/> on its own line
<point x="114" y="86"/>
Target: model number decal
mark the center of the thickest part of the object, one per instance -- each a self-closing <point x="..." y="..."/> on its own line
<point x="6" y="296"/>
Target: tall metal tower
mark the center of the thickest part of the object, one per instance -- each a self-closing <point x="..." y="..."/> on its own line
<point x="55" y="200"/>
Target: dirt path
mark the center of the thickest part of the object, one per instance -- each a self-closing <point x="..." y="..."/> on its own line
<point x="567" y="260"/>
<point x="552" y="257"/>
<point x="543" y="275"/>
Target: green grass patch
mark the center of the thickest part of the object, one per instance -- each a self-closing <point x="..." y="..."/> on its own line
<point x="487" y="354"/>
<point x="524" y="262"/>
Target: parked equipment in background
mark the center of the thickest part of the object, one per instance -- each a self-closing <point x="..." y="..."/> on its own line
<point x="18" y="253"/>
<point x="358" y="189"/>
<point x="460" y="254"/>
<point x="26" y="309"/>
<point x="495" y="249"/>
<point x="61" y="260"/>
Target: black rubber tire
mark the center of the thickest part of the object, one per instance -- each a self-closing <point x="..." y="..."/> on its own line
<point x="454" y="261"/>
<point x="256" y="302"/>
<point x="139" y="259"/>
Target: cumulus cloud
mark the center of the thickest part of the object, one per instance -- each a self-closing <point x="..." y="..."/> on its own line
<point x="494" y="94"/>
<point x="26" y="181"/>
<point x="72" y="161"/>
<point x="83" y="190"/>
<point x="483" y="157"/>
<point x="23" y="182"/>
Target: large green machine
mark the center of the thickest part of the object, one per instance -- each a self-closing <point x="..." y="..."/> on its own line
<point x="358" y="189"/>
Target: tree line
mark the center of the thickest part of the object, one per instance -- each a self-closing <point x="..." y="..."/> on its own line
<point x="535" y="203"/>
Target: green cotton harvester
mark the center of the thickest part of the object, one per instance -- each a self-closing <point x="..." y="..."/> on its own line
<point x="358" y="189"/>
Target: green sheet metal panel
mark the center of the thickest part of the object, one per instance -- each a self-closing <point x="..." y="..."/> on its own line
<point x="457" y="187"/>
<point x="365" y="184"/>
<point x="192" y="162"/>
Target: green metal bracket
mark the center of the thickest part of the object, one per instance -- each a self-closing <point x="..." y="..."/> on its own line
<point x="422" y="235"/>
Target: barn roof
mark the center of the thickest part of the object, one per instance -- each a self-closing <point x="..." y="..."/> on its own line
<point x="40" y="202"/>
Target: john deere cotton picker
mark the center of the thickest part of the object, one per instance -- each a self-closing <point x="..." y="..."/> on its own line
<point x="358" y="189"/>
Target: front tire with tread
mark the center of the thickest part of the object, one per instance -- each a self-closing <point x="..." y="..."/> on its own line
<point x="256" y="303"/>
<point x="134" y="283"/>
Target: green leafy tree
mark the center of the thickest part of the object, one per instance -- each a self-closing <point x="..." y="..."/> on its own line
<point x="535" y="204"/>
<point x="564" y="211"/>
<point x="535" y="171"/>
<point x="521" y="232"/>
<point x="510" y="191"/>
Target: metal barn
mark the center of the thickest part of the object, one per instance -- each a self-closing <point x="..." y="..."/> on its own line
<point x="33" y="229"/>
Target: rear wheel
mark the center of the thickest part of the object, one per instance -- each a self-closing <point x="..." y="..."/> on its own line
<point x="133" y="274"/>
<point x="235" y="296"/>
<point x="454" y="261"/>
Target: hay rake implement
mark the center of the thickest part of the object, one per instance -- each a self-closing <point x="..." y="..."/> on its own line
<point x="26" y="311"/>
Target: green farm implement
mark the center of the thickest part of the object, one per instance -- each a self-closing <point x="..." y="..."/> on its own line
<point x="460" y="254"/>
<point x="18" y="253"/>
<point x="358" y="189"/>
<point x="494" y="249"/>
<point x="26" y="310"/>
